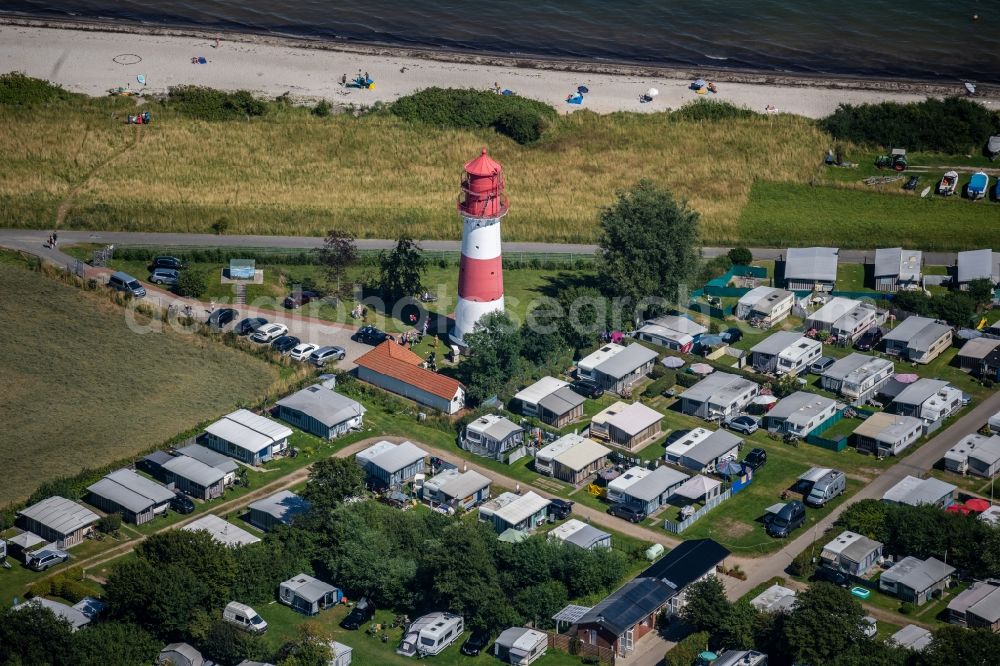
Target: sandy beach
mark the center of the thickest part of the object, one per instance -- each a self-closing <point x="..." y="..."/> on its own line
<point x="94" y="58"/>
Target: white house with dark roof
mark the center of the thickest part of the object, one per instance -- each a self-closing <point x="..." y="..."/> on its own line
<point x="785" y="353"/>
<point x="800" y="413"/>
<point x="896" y="268"/>
<point x="918" y="339"/>
<point x="929" y="399"/>
<point x="844" y="318"/>
<point x="979" y="356"/>
<point x="977" y="264"/>
<point x="653" y="490"/>
<point x="389" y="465"/>
<point x="580" y="534"/>
<point x="975" y="454"/>
<point x="622" y="371"/>
<point x="914" y="580"/>
<point x="620" y="484"/>
<point x="458" y="489"/>
<point x="718" y="396"/>
<point x="321" y="411"/>
<point x="628" y="426"/>
<point x="493" y="436"/>
<point x="248" y="437"/>
<point x="851" y="553"/>
<point x="512" y="511"/>
<point x="571" y="458"/>
<point x="672" y="331"/>
<point x="552" y="401"/>
<point x="135" y="497"/>
<point x="59" y="520"/>
<point x="765" y="306"/>
<point x="885" y="434"/>
<point x="708" y="452"/>
<point x="857" y="377"/>
<point x="915" y="492"/>
<point x="811" y="268"/>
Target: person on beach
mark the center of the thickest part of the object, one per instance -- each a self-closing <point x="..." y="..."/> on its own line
<point x="496" y="87"/>
<point x="712" y="88"/>
<point x="216" y="45"/>
<point x="343" y="79"/>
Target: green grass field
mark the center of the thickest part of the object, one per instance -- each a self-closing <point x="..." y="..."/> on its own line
<point x="81" y="390"/>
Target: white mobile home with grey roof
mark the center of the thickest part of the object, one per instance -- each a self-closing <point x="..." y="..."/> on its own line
<point x="281" y="508"/>
<point x="765" y="306"/>
<point x="932" y="400"/>
<point x="913" y="491"/>
<point x="718" y="396"/>
<point x="307" y="594"/>
<point x="389" y="465"/>
<point x="857" y="377"/>
<point x="845" y="318"/>
<point x="221" y="462"/>
<point x="620" y="372"/>
<point x="672" y="331"/>
<point x="785" y="353"/>
<point x="914" y="580"/>
<point x="493" y="436"/>
<point x="811" y="268"/>
<point x="975" y="265"/>
<point x="896" y="268"/>
<point x="885" y="434"/>
<point x="800" y="413"/>
<point x="708" y="453"/>
<point x="653" y="490"/>
<point x="322" y="412"/>
<point x="918" y="339"/>
<point x="458" y="489"/>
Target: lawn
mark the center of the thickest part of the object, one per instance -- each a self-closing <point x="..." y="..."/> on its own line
<point x="82" y="390"/>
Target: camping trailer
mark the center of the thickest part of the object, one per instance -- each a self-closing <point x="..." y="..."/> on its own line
<point x="430" y="634"/>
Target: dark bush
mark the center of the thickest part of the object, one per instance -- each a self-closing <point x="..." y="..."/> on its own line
<point x="740" y="256"/>
<point x="952" y="125"/>
<point x="657" y="387"/>
<point x="209" y="104"/>
<point x="523" y="120"/>
<point x="704" y="109"/>
<point x="322" y="109"/>
<point x="687" y="380"/>
<point x="110" y="523"/>
<point x="16" y="89"/>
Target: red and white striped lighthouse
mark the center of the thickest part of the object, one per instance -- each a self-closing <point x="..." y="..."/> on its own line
<point x="482" y="204"/>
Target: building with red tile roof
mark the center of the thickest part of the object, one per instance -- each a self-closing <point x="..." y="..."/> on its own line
<point x="398" y="370"/>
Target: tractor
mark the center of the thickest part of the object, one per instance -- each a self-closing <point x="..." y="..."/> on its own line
<point x="895" y="160"/>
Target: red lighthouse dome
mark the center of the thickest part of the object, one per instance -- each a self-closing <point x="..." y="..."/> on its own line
<point x="483" y="188"/>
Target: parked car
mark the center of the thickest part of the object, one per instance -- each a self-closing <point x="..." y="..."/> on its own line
<point x="627" y="512"/>
<point x="560" y="508"/>
<point x="756" y="458"/>
<point x="743" y="423"/>
<point x="302" y="351"/>
<point x="325" y="355"/>
<point x="821" y="365"/>
<point x="244" y="617"/>
<point x="362" y="612"/>
<point x="587" y="388"/>
<point x="732" y="335"/>
<point x="222" y="317"/>
<point x="249" y="325"/>
<point x="44" y="559"/>
<point x="675" y="436"/>
<point x="167" y="262"/>
<point x="476" y="643"/>
<point x="182" y="503"/>
<point x="269" y="333"/>
<point x="789" y="518"/>
<point x="370" y="335"/>
<point x="832" y="484"/>
<point x="168" y="276"/>
<point x="125" y="283"/>
<point x="285" y="344"/>
<point x="299" y="298"/>
<point x="869" y="339"/>
<point x="830" y="576"/>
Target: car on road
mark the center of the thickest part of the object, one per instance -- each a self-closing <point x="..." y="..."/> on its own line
<point x="587" y="388"/>
<point x="675" y="436"/>
<point x="249" y="325"/>
<point x="627" y="512"/>
<point x="789" y="518"/>
<point x="41" y="560"/>
<point x="302" y="351"/>
<point x="370" y="335"/>
<point x="743" y="423"/>
<point x="476" y="643"/>
<point x="869" y="339"/>
<point x="222" y="317"/>
<point x="328" y="354"/>
<point x="269" y="333"/>
<point x="285" y="344"/>
<point x="732" y="335"/>
<point x="756" y="458"/>
<point x="821" y="364"/>
<point x="167" y="262"/>
<point x="829" y="575"/>
<point x="168" y="276"/>
<point x="182" y="503"/>
<point x="362" y="612"/>
<point x="560" y="509"/>
<point x="299" y="298"/>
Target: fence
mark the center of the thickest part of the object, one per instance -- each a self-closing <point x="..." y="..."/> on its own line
<point x="574" y="646"/>
<point x="677" y="528"/>
<point x="840" y="443"/>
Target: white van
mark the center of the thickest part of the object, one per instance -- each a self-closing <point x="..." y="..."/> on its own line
<point x="244" y="617"/>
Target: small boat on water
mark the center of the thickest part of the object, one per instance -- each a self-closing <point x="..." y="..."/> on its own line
<point x="978" y="185"/>
<point x="948" y="184"/>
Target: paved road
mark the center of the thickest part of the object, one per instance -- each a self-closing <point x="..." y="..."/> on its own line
<point x="23" y="239"/>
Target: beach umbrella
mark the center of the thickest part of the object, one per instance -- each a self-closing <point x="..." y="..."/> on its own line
<point x="764" y="400"/>
<point x="652" y="92"/>
<point x="959" y="508"/>
<point x="582" y="89"/>
<point x="617" y="336"/>
<point x="907" y="378"/>
<point x="977" y="504"/>
<point x="700" y="83"/>
<point x="673" y="362"/>
<point x="702" y="369"/>
<point x="730" y="468"/>
<point x="711" y="340"/>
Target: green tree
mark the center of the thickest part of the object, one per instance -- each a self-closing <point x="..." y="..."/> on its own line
<point x="686" y="652"/>
<point x="338" y="254"/>
<point x="262" y="566"/>
<point x="824" y="623"/>
<point x="34" y="635"/>
<point x="113" y="643"/>
<point x="737" y="627"/>
<point x="955" y="307"/>
<point x="741" y="256"/>
<point x="541" y="342"/>
<point x="310" y="648"/>
<point x="538" y="603"/>
<point x="914" y="301"/>
<point x="401" y="271"/>
<point x="227" y="644"/>
<point x="648" y="244"/>
<point x="191" y="283"/>
<point x="586" y="313"/>
<point x="706" y="607"/>
<point x="494" y="356"/>
<point x="957" y="645"/>
<point x="867" y="517"/>
<point x="333" y="480"/>
<point x="981" y="291"/>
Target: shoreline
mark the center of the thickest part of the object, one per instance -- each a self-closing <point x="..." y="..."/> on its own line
<point x="758" y="77"/>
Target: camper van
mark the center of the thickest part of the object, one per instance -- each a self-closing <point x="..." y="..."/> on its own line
<point x="830" y="485"/>
<point x="430" y="634"/>
<point x="244" y="617"/>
